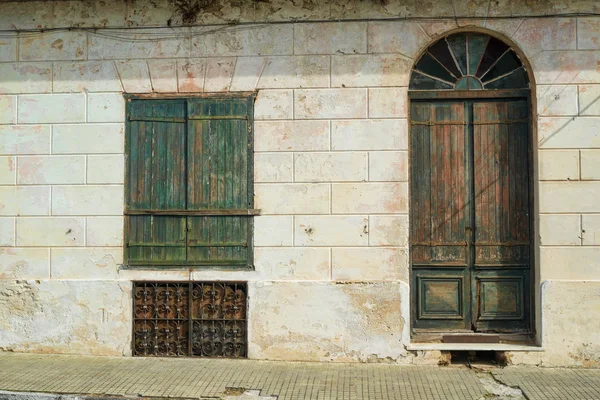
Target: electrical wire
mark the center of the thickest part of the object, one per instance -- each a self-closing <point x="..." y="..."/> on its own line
<point x="149" y="33"/>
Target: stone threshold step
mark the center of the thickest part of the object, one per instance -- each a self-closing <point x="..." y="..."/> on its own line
<point x="472" y="347"/>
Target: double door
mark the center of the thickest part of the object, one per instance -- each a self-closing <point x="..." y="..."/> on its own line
<point x="470" y="236"/>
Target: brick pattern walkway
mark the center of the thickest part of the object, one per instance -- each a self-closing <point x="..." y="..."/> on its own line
<point x="205" y="378"/>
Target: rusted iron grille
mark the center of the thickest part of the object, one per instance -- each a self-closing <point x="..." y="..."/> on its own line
<point x="202" y="319"/>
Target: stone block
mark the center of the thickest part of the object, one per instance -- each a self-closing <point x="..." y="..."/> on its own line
<point x="539" y="34"/>
<point x="369" y="264"/>
<point x="570" y="263"/>
<point x="288" y="263"/>
<point x="54" y="46"/>
<point x="330" y="38"/>
<point x="590" y="230"/>
<point x="51" y="108"/>
<point x="568" y="133"/>
<point x="588" y="33"/>
<point x="7" y="233"/>
<point x="388" y="102"/>
<point x="257" y="40"/>
<point x="558" y="165"/>
<point x="24" y="263"/>
<point x="88" y="76"/>
<point x="295" y="72"/>
<point x="566" y="67"/>
<point x="283" y="10"/>
<point x="370" y="70"/>
<point x="571" y="336"/>
<point x="50" y="231"/>
<point x="589" y="103"/>
<point x="66" y="316"/>
<point x="273" y="230"/>
<point x="24" y="200"/>
<point x="439" y="27"/>
<point x="219" y="73"/>
<point x="25" y="77"/>
<point x="374" y="198"/>
<point x="105" y="107"/>
<point x="8" y="49"/>
<point x="190" y="75"/>
<point x="560" y="230"/>
<point x="557" y="100"/>
<point x="291" y="135"/>
<point x="373" y="134"/>
<point x="8" y="109"/>
<point x="8" y="170"/>
<point x="25" y="139"/>
<point x="105" y="169"/>
<point x="330" y="103"/>
<point x="247" y="73"/>
<point x="590" y="165"/>
<point x="388" y="166"/>
<point x="274" y="104"/>
<point x="569" y="197"/>
<point x="331" y="230"/>
<point x="155" y="275"/>
<point x="273" y="167"/>
<point x="104" y="231"/>
<point x="87" y="200"/>
<point x="86" y="263"/>
<point x="90" y="13"/>
<point x="330" y="167"/>
<point x="163" y="75"/>
<point x="320" y="321"/>
<point x="292" y="198"/>
<point x="39" y="170"/>
<point x="388" y="230"/>
<point x="34" y="16"/>
<point x="135" y="76"/>
<point x="402" y="37"/>
<point x="88" y="139"/>
<point x="120" y="45"/>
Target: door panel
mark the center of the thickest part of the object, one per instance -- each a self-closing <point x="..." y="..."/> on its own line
<point x="442" y="298"/>
<point x="439" y="214"/>
<point x="501" y="188"/>
<point x="470" y="233"/>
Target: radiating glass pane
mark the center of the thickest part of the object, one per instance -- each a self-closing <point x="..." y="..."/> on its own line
<point x="516" y="80"/>
<point x="507" y="63"/>
<point x="430" y="66"/>
<point x="458" y="45"/>
<point x="422" y="82"/>
<point x="441" y="52"/>
<point x="493" y="51"/>
<point x="476" y="43"/>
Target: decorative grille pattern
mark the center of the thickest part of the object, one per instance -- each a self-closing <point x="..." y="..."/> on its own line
<point x="204" y="319"/>
<point x="469" y="61"/>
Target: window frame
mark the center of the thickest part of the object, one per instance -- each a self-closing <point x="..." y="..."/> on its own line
<point x="250" y="97"/>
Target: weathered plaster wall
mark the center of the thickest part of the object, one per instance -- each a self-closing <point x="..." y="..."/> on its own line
<point x="331" y="168"/>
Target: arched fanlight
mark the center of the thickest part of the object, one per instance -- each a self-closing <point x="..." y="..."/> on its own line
<point x="469" y="61"/>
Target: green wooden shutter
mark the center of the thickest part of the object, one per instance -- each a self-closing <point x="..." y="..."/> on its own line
<point x="189" y="182"/>
<point x="219" y="172"/>
<point x="156" y="182"/>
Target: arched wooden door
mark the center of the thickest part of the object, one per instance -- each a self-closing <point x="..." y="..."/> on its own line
<point x="470" y="233"/>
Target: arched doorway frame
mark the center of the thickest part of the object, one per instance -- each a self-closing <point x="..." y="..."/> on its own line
<point x="535" y="318"/>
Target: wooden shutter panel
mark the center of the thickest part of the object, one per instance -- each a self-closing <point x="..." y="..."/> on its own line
<point x="219" y="180"/>
<point x="156" y="182"/>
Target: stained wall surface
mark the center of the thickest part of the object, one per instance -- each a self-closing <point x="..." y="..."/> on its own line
<point x="331" y="166"/>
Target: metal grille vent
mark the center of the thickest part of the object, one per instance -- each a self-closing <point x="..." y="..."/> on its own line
<point x="202" y="319"/>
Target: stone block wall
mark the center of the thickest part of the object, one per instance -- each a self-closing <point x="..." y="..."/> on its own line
<point x="331" y="279"/>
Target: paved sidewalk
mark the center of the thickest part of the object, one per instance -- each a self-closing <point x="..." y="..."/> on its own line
<point x="245" y="379"/>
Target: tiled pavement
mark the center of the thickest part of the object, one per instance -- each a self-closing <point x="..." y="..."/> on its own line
<point x="209" y="378"/>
